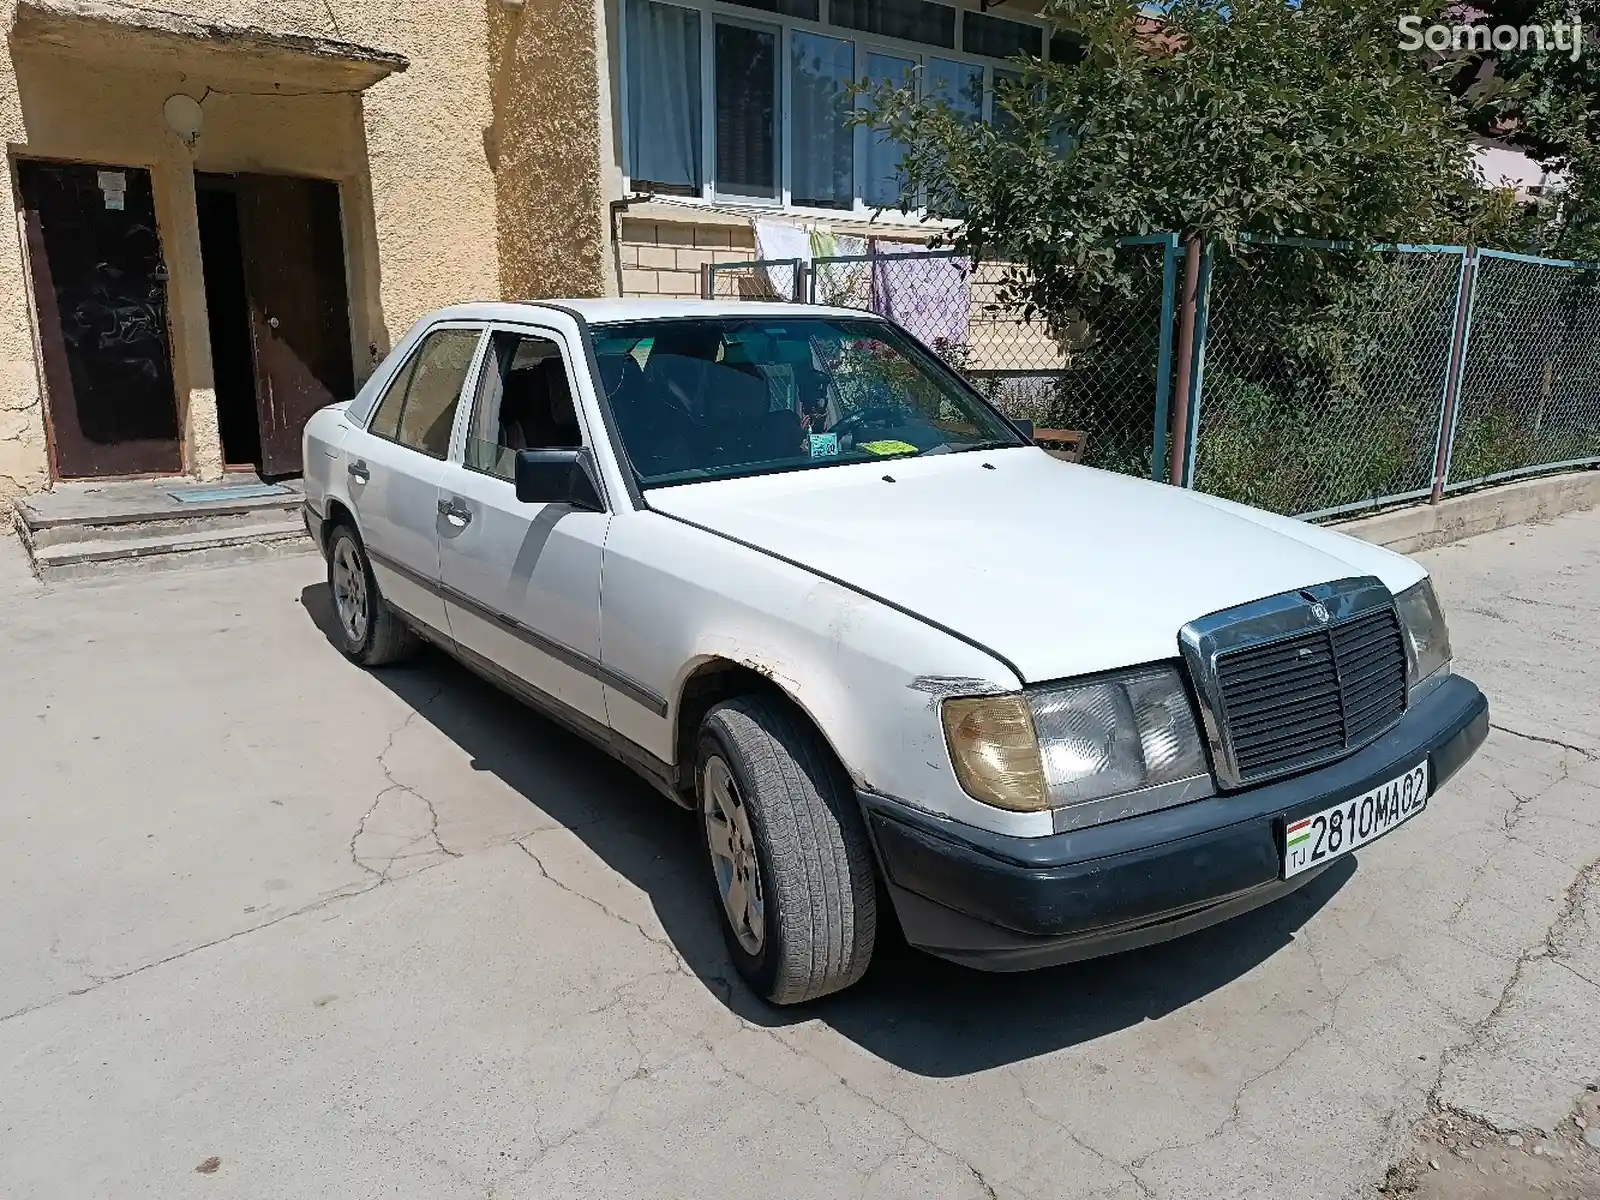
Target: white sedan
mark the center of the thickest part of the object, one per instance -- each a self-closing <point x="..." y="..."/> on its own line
<point x="794" y="571"/>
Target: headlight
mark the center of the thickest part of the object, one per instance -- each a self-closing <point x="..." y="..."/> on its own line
<point x="1427" y="637"/>
<point x="1071" y="745"/>
<point x="1116" y="734"/>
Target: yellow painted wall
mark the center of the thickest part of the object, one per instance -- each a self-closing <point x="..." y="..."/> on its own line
<point x="546" y="61"/>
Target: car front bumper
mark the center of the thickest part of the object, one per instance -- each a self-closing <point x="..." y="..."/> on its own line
<point x="1010" y="904"/>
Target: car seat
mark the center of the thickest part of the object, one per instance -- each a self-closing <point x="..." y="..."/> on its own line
<point x="520" y="400"/>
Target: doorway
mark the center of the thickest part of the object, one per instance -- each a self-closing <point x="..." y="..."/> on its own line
<point x="272" y="250"/>
<point x="100" y="287"/>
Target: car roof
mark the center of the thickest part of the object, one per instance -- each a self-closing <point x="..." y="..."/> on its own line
<point x="641" y="309"/>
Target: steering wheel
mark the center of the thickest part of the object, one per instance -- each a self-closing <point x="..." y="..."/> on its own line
<point x="879" y="416"/>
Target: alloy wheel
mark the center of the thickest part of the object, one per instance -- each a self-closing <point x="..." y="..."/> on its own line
<point x="733" y="854"/>
<point x="350" y="590"/>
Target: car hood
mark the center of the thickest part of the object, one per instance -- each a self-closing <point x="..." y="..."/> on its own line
<point x="1060" y="569"/>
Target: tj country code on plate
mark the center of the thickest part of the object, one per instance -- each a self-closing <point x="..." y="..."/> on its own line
<point x="1311" y="841"/>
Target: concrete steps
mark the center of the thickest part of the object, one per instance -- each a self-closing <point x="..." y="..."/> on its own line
<point x="80" y="530"/>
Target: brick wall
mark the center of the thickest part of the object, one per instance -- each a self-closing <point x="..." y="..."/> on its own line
<point x="663" y="258"/>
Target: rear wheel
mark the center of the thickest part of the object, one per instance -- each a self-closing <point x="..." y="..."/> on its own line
<point x="790" y="865"/>
<point x="370" y="632"/>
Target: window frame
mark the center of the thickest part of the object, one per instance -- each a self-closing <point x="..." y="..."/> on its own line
<point x="466" y="413"/>
<point x="713" y="11"/>
<point x="786" y="160"/>
<point x="780" y="135"/>
<point x="407" y="369"/>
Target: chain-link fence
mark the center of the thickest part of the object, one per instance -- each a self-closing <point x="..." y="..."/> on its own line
<point x="1325" y="379"/>
<point x="1323" y="374"/>
<point x="1101" y="375"/>
<point x="760" y="279"/>
<point x="1529" y="396"/>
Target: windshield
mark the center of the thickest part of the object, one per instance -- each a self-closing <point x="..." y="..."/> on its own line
<point x="717" y="397"/>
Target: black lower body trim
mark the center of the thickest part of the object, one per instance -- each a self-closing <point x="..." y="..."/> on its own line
<point x="564" y="654"/>
<point x="316" y="525"/>
<point x="1009" y="903"/>
<point x="660" y="774"/>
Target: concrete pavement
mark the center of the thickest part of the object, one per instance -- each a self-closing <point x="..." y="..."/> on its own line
<point x="362" y="934"/>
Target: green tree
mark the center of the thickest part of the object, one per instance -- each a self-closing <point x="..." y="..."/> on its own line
<point x="1230" y="116"/>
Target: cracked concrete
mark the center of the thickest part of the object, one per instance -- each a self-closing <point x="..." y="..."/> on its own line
<point x="365" y="933"/>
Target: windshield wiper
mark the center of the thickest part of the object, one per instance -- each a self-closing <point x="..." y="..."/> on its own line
<point x="978" y="446"/>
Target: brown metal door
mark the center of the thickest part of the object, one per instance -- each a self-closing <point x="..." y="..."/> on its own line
<point x="101" y="291"/>
<point x="299" y="314"/>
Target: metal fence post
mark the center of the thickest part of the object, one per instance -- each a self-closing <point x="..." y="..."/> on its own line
<point x="802" y="271"/>
<point x="1186" y="318"/>
<point x="1197" y="377"/>
<point x="1466" y="293"/>
<point x="708" y="281"/>
<point x="1169" y="281"/>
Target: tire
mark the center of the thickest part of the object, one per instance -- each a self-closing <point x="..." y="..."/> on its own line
<point x="778" y="815"/>
<point x="369" y="631"/>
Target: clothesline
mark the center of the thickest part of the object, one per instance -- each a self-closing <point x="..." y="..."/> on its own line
<point x="931" y="296"/>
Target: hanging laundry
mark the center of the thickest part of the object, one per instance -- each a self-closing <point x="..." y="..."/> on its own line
<point x="839" y="267"/>
<point x="783" y="246"/>
<point x="928" y="293"/>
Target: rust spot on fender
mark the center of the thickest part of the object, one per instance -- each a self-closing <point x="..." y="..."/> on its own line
<point x="940" y="687"/>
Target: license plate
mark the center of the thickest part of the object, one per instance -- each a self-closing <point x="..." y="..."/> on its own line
<point x="1314" y="840"/>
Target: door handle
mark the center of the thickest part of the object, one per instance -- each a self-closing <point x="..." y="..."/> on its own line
<point x="455" y="512"/>
<point x="358" y="471"/>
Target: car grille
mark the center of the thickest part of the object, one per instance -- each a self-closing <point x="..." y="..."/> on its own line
<point x="1292" y="703"/>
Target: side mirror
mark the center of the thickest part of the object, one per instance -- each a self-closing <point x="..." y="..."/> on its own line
<point x="557" y="477"/>
<point x="1024" y="427"/>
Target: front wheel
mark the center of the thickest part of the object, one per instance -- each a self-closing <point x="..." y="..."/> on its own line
<point x="790" y="864"/>
<point x="370" y="632"/>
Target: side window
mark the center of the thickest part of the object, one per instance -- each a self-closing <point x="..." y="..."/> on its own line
<point x="386" y="417"/>
<point x="419" y="407"/>
<point x="524" y="402"/>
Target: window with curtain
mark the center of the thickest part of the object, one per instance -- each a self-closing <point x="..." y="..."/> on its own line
<point x="746" y="95"/>
<point x="958" y="84"/>
<point x="758" y="107"/>
<point x="664" y="97"/>
<point x="1004" y="79"/>
<point x="822" y="143"/>
<point x="881" y="186"/>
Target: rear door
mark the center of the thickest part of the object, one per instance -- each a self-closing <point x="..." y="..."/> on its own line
<point x="522" y="581"/>
<point x="395" y="464"/>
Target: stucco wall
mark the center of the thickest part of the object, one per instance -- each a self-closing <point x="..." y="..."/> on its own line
<point x="545" y="143"/>
<point x="408" y="153"/>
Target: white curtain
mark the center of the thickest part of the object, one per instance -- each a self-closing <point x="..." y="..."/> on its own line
<point x="664" y="94"/>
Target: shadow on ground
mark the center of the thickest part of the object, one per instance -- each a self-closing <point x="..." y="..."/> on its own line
<point x="919" y="1013"/>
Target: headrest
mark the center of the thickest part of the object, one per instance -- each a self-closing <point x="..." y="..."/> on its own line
<point x="561" y="409"/>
